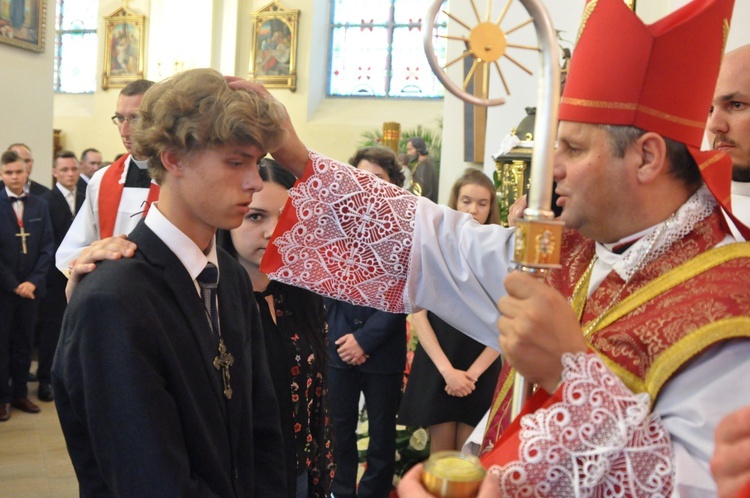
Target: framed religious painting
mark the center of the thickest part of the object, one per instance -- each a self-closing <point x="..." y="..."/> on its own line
<point x="23" y="23"/>
<point x="273" y="57"/>
<point x="124" y="48"/>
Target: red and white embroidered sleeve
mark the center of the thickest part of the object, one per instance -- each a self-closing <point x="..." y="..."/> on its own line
<point x="600" y="440"/>
<point x="345" y="234"/>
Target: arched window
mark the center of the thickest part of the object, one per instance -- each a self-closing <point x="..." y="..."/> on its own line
<point x="76" y="45"/>
<point x="377" y="50"/>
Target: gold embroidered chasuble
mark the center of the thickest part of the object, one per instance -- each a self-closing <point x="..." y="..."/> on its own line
<point x="640" y="328"/>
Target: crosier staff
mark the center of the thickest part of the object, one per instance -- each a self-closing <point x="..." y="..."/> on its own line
<point x="538" y="235"/>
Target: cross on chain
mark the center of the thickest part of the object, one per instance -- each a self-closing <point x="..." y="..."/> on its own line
<point x="23" y="234"/>
<point x="223" y="362"/>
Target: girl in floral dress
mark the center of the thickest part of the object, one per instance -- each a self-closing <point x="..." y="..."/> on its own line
<point x="295" y="332"/>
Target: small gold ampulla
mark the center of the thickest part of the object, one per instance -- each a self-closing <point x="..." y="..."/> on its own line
<point x="449" y="474"/>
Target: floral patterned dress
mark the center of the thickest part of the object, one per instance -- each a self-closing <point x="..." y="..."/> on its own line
<point x="297" y="359"/>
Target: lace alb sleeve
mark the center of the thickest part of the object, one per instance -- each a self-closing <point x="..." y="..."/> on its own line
<point x="345" y="234"/>
<point x="600" y="440"/>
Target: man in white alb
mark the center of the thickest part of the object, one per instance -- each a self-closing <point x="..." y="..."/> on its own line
<point x="117" y="196"/>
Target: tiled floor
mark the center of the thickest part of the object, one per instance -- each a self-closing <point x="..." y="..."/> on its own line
<point x="33" y="460"/>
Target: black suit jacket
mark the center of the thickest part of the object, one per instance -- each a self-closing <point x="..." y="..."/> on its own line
<point x="380" y="334"/>
<point x="16" y="267"/>
<point x="60" y="213"/>
<point x="61" y="218"/>
<point x="37" y="188"/>
<point x="81" y="186"/>
<point x="139" y="401"/>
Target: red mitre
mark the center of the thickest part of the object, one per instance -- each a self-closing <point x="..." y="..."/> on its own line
<point x="659" y="78"/>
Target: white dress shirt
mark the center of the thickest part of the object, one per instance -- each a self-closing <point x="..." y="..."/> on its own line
<point x="70" y="196"/>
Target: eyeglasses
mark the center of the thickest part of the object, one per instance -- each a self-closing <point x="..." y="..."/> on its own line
<point x="119" y="119"/>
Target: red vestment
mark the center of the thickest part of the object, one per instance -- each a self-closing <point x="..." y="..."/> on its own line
<point x="640" y="328"/>
<point x="110" y="193"/>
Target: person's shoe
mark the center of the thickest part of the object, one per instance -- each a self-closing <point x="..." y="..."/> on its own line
<point x="45" y="392"/>
<point x="25" y="405"/>
<point x="4" y="411"/>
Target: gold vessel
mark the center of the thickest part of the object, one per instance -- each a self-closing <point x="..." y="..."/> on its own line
<point x="449" y="474"/>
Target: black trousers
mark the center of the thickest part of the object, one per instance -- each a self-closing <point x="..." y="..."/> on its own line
<point x="17" y="320"/>
<point x="382" y="396"/>
<point x="51" y="311"/>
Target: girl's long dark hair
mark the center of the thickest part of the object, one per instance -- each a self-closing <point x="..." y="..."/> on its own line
<point x="307" y="313"/>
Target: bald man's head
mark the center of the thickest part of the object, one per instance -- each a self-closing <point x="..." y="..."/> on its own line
<point x="729" y="119"/>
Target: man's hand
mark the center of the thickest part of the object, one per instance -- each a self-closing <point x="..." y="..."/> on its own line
<point x="109" y="248"/>
<point x="350" y="351"/>
<point x="25" y="290"/>
<point x="536" y="327"/>
<point x="515" y="211"/>
<point x="730" y="463"/>
<point x="411" y="485"/>
<point x="292" y="154"/>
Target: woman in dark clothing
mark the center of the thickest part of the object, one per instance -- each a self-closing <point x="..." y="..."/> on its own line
<point x="453" y="376"/>
<point x="295" y="333"/>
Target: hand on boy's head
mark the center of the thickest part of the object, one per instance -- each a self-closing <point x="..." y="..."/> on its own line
<point x="292" y="153"/>
<point x="237" y="83"/>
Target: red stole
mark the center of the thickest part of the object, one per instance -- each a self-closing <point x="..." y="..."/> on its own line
<point x="632" y="339"/>
<point x="110" y="193"/>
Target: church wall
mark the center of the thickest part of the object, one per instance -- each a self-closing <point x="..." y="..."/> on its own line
<point x="217" y="33"/>
<point x="85" y="118"/>
<point x="181" y="31"/>
<point x="26" y="90"/>
<point x="332" y="126"/>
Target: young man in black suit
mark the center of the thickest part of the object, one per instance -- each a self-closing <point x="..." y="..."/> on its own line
<point x="26" y="252"/>
<point x="156" y="394"/>
<point x="64" y="201"/>
<point x="24" y="152"/>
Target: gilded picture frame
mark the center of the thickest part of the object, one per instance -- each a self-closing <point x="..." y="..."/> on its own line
<point x="273" y="56"/>
<point x="23" y="23"/>
<point x="124" y="48"/>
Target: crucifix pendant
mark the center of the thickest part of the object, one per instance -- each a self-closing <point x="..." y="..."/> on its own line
<point x="23" y="234"/>
<point x="223" y="362"/>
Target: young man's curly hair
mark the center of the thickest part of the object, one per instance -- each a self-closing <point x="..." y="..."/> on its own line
<point x="196" y="110"/>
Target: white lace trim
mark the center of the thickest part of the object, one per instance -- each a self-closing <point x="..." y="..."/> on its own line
<point x="598" y="441"/>
<point x="353" y="239"/>
<point x="701" y="204"/>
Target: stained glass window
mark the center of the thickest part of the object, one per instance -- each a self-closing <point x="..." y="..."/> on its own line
<point x="76" y="45"/>
<point x="377" y="49"/>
